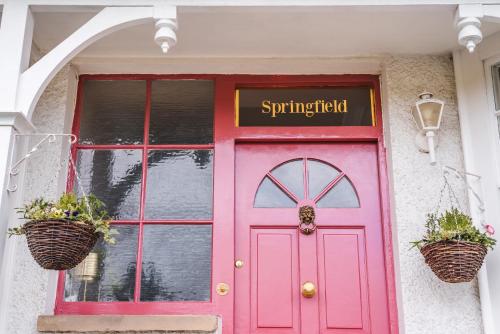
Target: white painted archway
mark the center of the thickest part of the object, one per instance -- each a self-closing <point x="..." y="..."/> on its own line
<point x="34" y="80"/>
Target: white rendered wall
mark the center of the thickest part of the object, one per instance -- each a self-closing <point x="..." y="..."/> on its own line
<point x="426" y="305"/>
<point x="32" y="288"/>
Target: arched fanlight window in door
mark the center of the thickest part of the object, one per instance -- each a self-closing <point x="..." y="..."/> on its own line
<point x="306" y="179"/>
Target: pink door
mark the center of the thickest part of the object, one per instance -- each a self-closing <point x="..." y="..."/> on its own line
<point x="341" y="260"/>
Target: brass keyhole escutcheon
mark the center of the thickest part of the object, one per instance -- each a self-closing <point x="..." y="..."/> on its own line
<point x="222" y="289"/>
<point x="239" y="264"/>
<point x="308" y="289"/>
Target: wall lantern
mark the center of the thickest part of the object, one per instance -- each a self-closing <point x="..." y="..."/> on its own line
<point x="427" y="115"/>
<point x="87" y="271"/>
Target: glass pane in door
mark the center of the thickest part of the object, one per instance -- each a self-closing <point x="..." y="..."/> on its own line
<point x="269" y="195"/>
<point x="291" y="175"/>
<point x="319" y="175"/>
<point x="342" y="195"/>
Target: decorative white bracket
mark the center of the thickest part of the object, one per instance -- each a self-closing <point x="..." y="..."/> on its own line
<point x="468" y="21"/>
<point x="166" y="27"/>
<point x="47" y="137"/>
<point x="469" y="34"/>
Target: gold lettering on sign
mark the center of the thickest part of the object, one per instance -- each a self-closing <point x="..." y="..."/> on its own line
<point x="309" y="109"/>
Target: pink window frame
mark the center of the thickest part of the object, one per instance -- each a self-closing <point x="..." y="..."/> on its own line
<point x="226" y="135"/>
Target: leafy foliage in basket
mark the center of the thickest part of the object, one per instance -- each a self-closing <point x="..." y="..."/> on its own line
<point x="69" y="208"/>
<point x="453" y="225"/>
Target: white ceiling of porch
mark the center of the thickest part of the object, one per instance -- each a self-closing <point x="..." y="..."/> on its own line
<point x="274" y="32"/>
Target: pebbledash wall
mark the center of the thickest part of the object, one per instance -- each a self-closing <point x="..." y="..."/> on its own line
<point x="425" y="304"/>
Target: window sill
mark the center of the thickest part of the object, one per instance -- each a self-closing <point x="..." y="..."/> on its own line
<point x="127" y="323"/>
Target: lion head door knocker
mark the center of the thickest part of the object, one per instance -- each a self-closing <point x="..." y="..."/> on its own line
<point x="306" y="217"/>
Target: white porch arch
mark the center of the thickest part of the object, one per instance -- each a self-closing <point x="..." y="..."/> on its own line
<point x="35" y="79"/>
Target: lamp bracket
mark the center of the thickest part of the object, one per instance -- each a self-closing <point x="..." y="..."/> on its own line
<point x="422" y="143"/>
<point x="49" y="138"/>
<point x="425" y="96"/>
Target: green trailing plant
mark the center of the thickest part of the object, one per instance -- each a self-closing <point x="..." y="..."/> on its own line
<point x="68" y="207"/>
<point x="454" y="225"/>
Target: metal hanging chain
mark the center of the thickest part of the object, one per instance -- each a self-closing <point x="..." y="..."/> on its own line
<point x="80" y="184"/>
<point x="453" y="199"/>
<point x="462" y="175"/>
<point x="451" y="196"/>
<point x="440" y="200"/>
<point x="53" y="180"/>
<point x="49" y="138"/>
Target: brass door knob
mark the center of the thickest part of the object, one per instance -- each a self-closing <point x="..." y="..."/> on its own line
<point x="308" y="289"/>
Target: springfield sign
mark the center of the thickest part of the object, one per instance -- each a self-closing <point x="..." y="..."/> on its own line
<point x="311" y="106"/>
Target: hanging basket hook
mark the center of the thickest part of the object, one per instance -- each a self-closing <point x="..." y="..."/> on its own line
<point x="47" y="137"/>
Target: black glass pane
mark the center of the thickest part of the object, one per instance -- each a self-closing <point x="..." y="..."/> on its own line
<point x="114" y="176"/>
<point x="179" y="184"/>
<point x="113" y="112"/>
<point x="181" y="112"/>
<point x="498" y="125"/>
<point x="176" y="263"/>
<point x="108" y="273"/>
<point x="495" y="73"/>
<point x="305" y="106"/>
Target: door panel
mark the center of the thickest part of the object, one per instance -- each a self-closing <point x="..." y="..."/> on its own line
<point x="342" y="276"/>
<point x="343" y="257"/>
<point x="274" y="298"/>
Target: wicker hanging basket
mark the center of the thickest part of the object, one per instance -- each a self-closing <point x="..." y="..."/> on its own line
<point x="59" y="244"/>
<point x="454" y="261"/>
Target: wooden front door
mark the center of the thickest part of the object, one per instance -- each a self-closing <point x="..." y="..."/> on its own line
<point x="343" y="258"/>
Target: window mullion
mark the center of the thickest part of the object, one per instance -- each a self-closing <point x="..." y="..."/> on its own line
<point x="147" y="117"/>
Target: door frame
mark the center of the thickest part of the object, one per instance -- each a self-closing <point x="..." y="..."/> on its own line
<point x="227" y="135"/>
<point x="307" y="255"/>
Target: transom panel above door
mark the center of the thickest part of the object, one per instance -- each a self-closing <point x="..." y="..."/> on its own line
<point x="329" y="279"/>
<point x="306" y="181"/>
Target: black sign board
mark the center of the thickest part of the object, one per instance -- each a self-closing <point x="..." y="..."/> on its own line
<point x="305" y="106"/>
